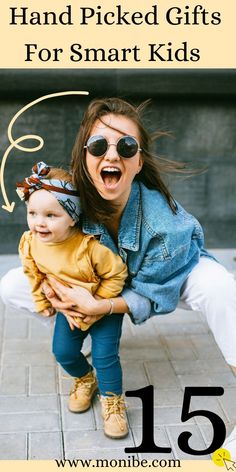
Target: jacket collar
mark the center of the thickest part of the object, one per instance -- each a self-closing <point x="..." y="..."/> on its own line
<point x="129" y="230"/>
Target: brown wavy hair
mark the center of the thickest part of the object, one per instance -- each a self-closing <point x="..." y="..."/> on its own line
<point x="94" y="206"/>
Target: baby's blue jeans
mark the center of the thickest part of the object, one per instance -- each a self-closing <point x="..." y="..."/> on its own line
<point x="105" y="334"/>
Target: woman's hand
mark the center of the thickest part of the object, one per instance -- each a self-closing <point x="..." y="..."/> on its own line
<point x="73" y="301"/>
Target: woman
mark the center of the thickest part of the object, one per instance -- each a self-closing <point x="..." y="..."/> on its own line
<point x="128" y="207"/>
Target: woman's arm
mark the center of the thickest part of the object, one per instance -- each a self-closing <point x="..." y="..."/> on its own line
<point x="77" y="301"/>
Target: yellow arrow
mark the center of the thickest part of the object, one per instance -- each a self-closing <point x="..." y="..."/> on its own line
<point x="15" y="143"/>
<point x="10" y="206"/>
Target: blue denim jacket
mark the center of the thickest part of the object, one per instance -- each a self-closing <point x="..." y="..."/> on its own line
<point x="159" y="247"/>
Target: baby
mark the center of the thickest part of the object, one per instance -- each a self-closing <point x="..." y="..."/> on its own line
<point x="56" y="246"/>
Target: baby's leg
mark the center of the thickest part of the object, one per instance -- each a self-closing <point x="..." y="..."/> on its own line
<point x="67" y="345"/>
<point x="105" y="336"/>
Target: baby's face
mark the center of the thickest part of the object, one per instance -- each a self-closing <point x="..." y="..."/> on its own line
<point x="47" y="219"/>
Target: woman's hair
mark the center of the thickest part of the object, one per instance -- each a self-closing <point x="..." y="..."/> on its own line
<point x="94" y="206"/>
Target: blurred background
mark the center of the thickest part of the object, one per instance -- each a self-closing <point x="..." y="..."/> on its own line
<point x="197" y="107"/>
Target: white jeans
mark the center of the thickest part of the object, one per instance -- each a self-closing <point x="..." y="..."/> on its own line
<point x="210" y="288"/>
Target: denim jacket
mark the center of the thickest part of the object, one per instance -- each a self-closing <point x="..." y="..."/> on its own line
<point x="159" y="247"/>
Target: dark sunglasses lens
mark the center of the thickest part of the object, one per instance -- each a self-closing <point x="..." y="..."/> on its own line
<point x="127" y="146"/>
<point x="97" y="146"/>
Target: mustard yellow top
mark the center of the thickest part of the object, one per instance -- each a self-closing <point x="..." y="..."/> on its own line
<point x="80" y="260"/>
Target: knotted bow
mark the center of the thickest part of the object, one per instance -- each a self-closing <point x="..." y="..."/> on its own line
<point x="63" y="191"/>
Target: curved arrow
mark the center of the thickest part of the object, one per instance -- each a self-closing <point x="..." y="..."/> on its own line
<point x="15" y="142"/>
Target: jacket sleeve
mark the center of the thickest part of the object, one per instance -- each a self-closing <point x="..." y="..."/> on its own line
<point x="31" y="270"/>
<point x="161" y="288"/>
<point x="110" y="268"/>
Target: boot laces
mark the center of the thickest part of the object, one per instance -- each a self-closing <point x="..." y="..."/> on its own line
<point x="114" y="405"/>
<point x="83" y="383"/>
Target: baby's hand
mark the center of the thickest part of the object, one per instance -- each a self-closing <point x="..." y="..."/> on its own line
<point x="48" y="312"/>
<point x="81" y="324"/>
<point x="86" y="325"/>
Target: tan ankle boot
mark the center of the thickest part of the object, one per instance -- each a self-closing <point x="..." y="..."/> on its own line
<point x="82" y="393"/>
<point x="114" y="417"/>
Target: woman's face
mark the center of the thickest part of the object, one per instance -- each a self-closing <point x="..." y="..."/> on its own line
<point x="113" y="175"/>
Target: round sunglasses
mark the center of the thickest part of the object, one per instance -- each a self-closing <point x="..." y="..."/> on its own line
<point x="126" y="146"/>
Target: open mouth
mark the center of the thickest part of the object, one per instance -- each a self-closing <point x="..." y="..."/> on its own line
<point x="110" y="176"/>
<point x="43" y="233"/>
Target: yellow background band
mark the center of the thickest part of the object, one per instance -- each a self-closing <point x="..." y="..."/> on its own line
<point x="215" y="42"/>
<point x="50" y="466"/>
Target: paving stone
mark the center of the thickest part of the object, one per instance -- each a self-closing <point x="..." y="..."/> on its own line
<point x="16" y="328"/>
<point x="205" y="346"/>
<point x="195" y="379"/>
<point x="143" y="353"/>
<point x="2" y="326"/>
<point x="161" y="374"/>
<point x="182" y="329"/>
<point x="43" y="379"/>
<point x="45" y="446"/>
<point x="178" y="316"/>
<point x="99" y="454"/>
<point x="196" y="441"/>
<point x="162" y="416"/>
<point x="228" y="403"/>
<point x="207" y="432"/>
<point x="198" y="366"/>
<point x="65" y="381"/>
<point x="27" y="422"/>
<point x="41" y="330"/>
<point x="207" y="403"/>
<point x="26" y="358"/>
<point x="134" y="375"/>
<point x="76" y="422"/>
<point x="180" y="347"/>
<point x="161" y="440"/>
<point x="147" y="332"/>
<point x="97" y="412"/>
<point x="14" y="381"/>
<point x="27" y="404"/>
<point x="127" y="327"/>
<point x="168" y="397"/>
<point x="13" y="447"/>
<point x="28" y="346"/>
<point x="162" y="397"/>
<point x="223" y="379"/>
<point x="86" y="440"/>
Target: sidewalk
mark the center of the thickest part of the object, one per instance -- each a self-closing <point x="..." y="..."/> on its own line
<point x="170" y="352"/>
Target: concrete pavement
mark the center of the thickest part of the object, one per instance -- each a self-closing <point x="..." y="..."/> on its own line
<point x="170" y="352"/>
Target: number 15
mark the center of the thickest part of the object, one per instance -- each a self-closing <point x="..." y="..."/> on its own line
<point x="148" y="444"/>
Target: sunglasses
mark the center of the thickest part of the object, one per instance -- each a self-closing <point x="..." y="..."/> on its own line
<point x="126" y="146"/>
